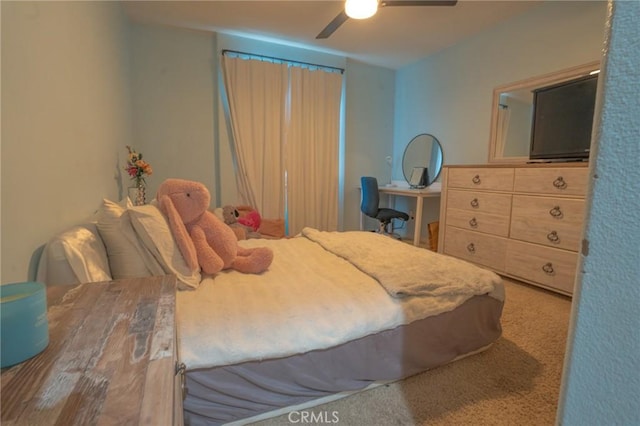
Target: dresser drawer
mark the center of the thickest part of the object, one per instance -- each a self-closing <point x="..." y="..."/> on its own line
<point x="496" y="179"/>
<point x="475" y="247"/>
<point x="484" y="202"/>
<point x="478" y="221"/>
<point x="557" y="235"/>
<point x="548" y="266"/>
<point x="549" y="209"/>
<point x="554" y="222"/>
<point x="552" y="180"/>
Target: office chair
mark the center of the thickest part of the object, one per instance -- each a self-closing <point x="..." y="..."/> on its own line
<point x="370" y="205"/>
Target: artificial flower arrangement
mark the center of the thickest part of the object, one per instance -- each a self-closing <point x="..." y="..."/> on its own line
<point x="136" y="167"/>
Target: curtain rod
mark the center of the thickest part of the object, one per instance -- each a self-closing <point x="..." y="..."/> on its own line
<point x="225" y="51"/>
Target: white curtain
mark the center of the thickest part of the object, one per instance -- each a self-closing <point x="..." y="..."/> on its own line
<point x="311" y="150"/>
<point x="285" y="124"/>
<point x="256" y="93"/>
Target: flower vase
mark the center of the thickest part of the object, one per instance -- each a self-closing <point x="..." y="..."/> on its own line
<point x="137" y="194"/>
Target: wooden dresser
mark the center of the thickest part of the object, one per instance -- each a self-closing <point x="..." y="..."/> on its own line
<point x="111" y="359"/>
<point x="522" y="221"/>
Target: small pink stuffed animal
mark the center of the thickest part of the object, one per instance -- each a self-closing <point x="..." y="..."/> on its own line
<point x="204" y="240"/>
<point x="251" y="220"/>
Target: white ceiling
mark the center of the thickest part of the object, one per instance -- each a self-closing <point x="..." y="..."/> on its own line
<point x="394" y="37"/>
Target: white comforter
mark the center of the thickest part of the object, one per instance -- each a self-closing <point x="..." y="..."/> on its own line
<point x="312" y="299"/>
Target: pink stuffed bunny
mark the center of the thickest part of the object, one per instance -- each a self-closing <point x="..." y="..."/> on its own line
<point x="204" y="240"/>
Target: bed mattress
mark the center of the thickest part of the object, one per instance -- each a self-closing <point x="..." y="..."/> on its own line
<point x="330" y="315"/>
<point x="231" y="393"/>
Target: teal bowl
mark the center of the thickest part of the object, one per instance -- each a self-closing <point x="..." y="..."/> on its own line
<point x="24" y="328"/>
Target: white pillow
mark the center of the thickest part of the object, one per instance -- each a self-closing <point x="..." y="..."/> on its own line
<point x="128" y="258"/>
<point x="219" y="213"/>
<point x="76" y="255"/>
<point x="153" y="230"/>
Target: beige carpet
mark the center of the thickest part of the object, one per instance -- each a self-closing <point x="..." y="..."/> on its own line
<point x="514" y="382"/>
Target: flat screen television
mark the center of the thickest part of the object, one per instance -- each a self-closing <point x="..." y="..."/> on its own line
<point x="562" y="120"/>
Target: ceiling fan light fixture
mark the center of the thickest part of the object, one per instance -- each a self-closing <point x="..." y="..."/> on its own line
<point x="360" y="9"/>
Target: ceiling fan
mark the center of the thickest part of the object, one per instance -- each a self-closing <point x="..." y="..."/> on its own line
<point x="370" y="7"/>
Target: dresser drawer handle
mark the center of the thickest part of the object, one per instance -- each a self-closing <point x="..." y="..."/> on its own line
<point x="471" y="248"/>
<point x="556" y="212"/>
<point x="548" y="268"/>
<point x="476" y="179"/>
<point x="560" y="183"/>
<point x="474" y="203"/>
<point x="181" y="370"/>
<point x="473" y="223"/>
<point x="553" y="237"/>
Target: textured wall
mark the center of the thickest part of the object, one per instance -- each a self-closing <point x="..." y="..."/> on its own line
<point x="602" y="373"/>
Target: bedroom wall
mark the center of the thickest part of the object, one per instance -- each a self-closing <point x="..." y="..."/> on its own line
<point x="448" y="94"/>
<point x="368" y="133"/>
<point x="173" y="88"/>
<point x="66" y="117"/>
<point x="602" y="368"/>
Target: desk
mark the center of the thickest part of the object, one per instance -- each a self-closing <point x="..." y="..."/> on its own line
<point x="403" y="190"/>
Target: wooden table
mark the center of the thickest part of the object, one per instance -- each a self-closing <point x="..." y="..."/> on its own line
<point x="111" y="358"/>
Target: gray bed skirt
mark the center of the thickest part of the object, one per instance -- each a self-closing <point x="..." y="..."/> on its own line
<point x="230" y="393"/>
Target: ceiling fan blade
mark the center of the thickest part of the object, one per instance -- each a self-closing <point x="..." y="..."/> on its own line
<point x="384" y="3"/>
<point x="333" y="25"/>
<point x="342" y="16"/>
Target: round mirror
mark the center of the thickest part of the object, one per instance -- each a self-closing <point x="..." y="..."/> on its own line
<point x="422" y="161"/>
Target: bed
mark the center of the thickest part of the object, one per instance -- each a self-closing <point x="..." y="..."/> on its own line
<point x="336" y="313"/>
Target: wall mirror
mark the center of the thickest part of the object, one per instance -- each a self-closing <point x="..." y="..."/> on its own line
<point x="423" y="151"/>
<point x="512" y="109"/>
